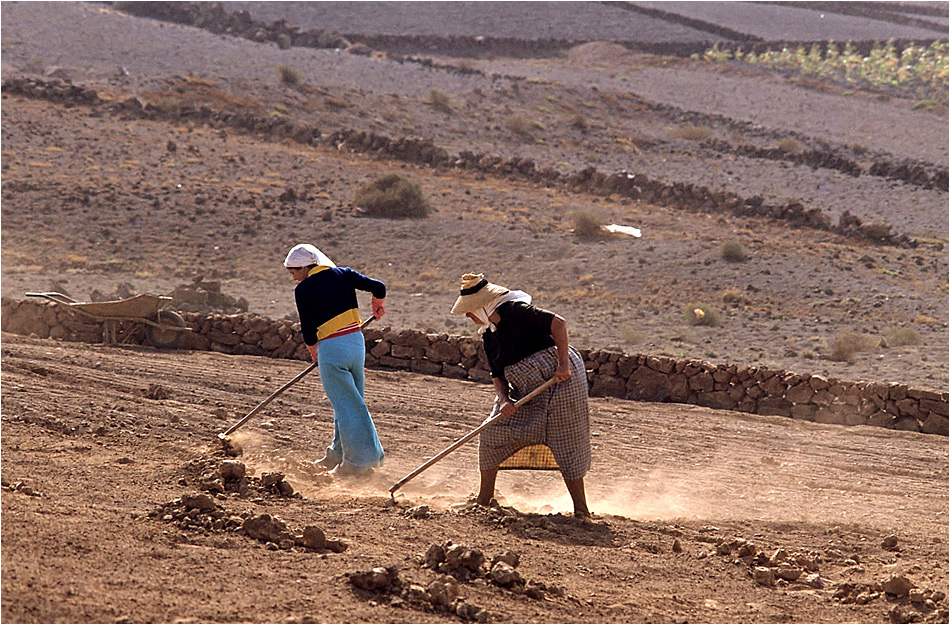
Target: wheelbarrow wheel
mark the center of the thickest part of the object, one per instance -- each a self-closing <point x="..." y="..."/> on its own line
<point x="166" y="338"/>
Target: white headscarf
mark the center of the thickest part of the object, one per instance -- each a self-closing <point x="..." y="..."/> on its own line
<point x="304" y="255"/>
<point x="483" y="313"/>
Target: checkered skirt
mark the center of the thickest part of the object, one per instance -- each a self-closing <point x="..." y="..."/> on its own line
<point x="558" y="417"/>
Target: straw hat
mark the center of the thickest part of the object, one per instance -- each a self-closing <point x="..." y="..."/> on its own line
<point x="304" y="255"/>
<point x="476" y="292"/>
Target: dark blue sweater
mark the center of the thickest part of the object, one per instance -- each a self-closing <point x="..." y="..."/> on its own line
<point x="326" y="301"/>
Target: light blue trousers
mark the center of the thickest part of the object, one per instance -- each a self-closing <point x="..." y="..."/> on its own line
<point x="341" y="371"/>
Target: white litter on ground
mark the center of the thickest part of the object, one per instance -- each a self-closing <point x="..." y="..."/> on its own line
<point x="634" y="232"/>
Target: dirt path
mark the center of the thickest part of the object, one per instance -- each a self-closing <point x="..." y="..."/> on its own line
<point x="105" y="435"/>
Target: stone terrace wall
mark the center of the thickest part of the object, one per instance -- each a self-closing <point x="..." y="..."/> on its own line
<point x="638" y="377"/>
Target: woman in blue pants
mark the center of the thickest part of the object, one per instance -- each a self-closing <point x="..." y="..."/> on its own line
<point x="330" y="323"/>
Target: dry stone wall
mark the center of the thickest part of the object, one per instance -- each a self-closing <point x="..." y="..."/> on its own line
<point x="640" y="377"/>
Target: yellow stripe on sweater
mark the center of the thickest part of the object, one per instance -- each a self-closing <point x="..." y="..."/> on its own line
<point x="341" y="321"/>
<point x="317" y="270"/>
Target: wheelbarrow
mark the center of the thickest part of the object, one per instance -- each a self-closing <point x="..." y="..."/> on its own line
<point x="165" y="328"/>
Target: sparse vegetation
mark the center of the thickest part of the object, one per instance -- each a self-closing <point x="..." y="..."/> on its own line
<point x="440" y="101"/>
<point x="632" y="336"/>
<point x="289" y="76"/>
<point x="692" y="132"/>
<point x="917" y="70"/>
<point x="75" y="260"/>
<point x="193" y="92"/>
<point x="896" y="336"/>
<point x="588" y="224"/>
<point x="520" y="125"/>
<point x="335" y="103"/>
<point x="730" y="295"/>
<point x="36" y="64"/>
<point x="732" y="251"/>
<point x="701" y="315"/>
<point x="579" y="121"/>
<point x="857" y="148"/>
<point x="169" y="104"/>
<point x="928" y="105"/>
<point x="844" y="348"/>
<point x="790" y="146"/>
<point x="393" y="196"/>
<point x="641" y="142"/>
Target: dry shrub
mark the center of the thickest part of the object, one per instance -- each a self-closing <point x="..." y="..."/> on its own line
<point x="928" y="105"/>
<point x="701" y="315"/>
<point x="193" y="92"/>
<point x="588" y="224"/>
<point x="519" y="125"/>
<point x="288" y="75"/>
<point x="692" y="132"/>
<point x="894" y="336"/>
<point x="168" y="104"/>
<point x="641" y="142"/>
<point x="574" y="295"/>
<point x="731" y="295"/>
<point x="732" y="251"/>
<point x="75" y="260"/>
<point x="632" y="336"/>
<point x="579" y="121"/>
<point x="848" y="344"/>
<point x="393" y="196"/>
<point x="857" y="148"/>
<point x="790" y="146"/>
<point x="440" y="100"/>
<point x="335" y="103"/>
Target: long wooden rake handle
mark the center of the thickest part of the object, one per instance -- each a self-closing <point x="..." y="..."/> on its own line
<point x="445" y="452"/>
<point x="283" y="388"/>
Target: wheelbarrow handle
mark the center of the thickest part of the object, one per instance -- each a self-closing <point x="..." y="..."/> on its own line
<point x="283" y="388"/>
<point x="495" y="417"/>
<point x="52" y="296"/>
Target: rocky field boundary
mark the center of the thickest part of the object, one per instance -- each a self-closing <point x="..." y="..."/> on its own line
<point x="637" y="377"/>
<point x="686" y="196"/>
